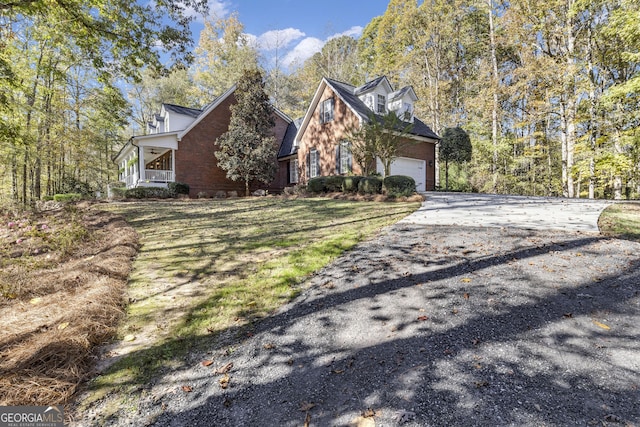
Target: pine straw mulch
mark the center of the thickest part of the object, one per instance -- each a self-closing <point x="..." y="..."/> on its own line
<point x="59" y="298"/>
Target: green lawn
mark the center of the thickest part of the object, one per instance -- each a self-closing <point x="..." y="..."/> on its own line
<point x="218" y="265"/>
<point x="621" y="220"/>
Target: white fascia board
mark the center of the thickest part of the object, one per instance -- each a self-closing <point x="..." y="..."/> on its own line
<point x="310" y="110"/>
<point x="206" y="112"/>
<point x="162" y="140"/>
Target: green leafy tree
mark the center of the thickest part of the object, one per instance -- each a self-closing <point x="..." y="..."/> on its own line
<point x="222" y="56"/>
<point x="247" y="151"/>
<point x="379" y="137"/>
<point x="116" y="36"/>
<point x="454" y="147"/>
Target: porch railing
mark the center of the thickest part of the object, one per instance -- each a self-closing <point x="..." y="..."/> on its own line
<point x="131" y="180"/>
<point x="157" y="175"/>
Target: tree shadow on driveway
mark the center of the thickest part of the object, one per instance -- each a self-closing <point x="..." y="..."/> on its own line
<point x="436" y="326"/>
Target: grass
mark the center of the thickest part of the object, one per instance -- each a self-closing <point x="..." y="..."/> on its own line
<point x="621" y="220"/>
<point x="211" y="266"/>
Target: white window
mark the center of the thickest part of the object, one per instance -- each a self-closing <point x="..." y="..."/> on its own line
<point x="314" y="163"/>
<point x="326" y="110"/>
<point x="343" y="158"/>
<point x="293" y="171"/>
<point x="382" y="104"/>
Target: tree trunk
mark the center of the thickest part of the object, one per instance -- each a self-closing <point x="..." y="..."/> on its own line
<point x="494" y="89"/>
<point x="446" y="174"/>
<point x="246" y="187"/>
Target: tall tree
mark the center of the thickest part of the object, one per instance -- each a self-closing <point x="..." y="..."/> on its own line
<point x="222" y="56"/>
<point x="247" y="151"/>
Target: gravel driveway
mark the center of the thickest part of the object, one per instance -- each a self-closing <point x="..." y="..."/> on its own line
<point x="433" y="325"/>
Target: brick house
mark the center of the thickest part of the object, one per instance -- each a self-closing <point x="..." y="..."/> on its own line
<point x="180" y="147"/>
<point x="180" y="144"/>
<point x="319" y="145"/>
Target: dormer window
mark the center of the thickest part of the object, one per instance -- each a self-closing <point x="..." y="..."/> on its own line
<point x="382" y="104"/>
<point x="326" y="110"/>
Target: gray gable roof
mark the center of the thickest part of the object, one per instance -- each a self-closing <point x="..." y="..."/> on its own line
<point x="192" y="112"/>
<point x="400" y="93"/>
<point x="287" y="148"/>
<point x="349" y="94"/>
<point x="369" y="85"/>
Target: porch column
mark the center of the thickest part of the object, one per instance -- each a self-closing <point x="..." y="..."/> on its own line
<point x="141" y="164"/>
<point x="173" y="163"/>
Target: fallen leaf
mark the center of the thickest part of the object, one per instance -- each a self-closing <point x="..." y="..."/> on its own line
<point x="207" y="363"/>
<point x="465" y="280"/>
<point x="63" y="325"/>
<point x="466" y="295"/>
<point x="224" y="369"/>
<point x="369" y="413"/>
<point x="306" y="406"/>
<point x="481" y="384"/>
<point x="601" y="325"/>
<point x="363" y="422"/>
<point x="307" y="420"/>
<point x="268" y="346"/>
<point x="129" y="338"/>
<point x="337" y="371"/>
<point x="187" y="388"/>
<point x="35" y="301"/>
<point x="568" y="315"/>
<point x="454" y="311"/>
<point x="423" y="318"/>
<point x="476" y="341"/>
<point x="224" y="381"/>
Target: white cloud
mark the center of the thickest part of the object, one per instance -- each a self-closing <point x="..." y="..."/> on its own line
<point x="311" y="45"/>
<point x="303" y="50"/>
<point x="279" y="39"/>
<point x="217" y="8"/>
<point x="355" y="32"/>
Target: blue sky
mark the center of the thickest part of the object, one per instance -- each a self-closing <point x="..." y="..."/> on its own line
<point x="300" y="27"/>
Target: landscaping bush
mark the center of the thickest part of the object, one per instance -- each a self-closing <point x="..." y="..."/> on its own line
<point x="147" y="193"/>
<point x="399" y="185"/>
<point x="334" y="183"/>
<point x="118" y="192"/>
<point x="370" y="185"/>
<point x="317" y="184"/>
<point x="47" y="198"/>
<point x="350" y="184"/>
<point x="68" y="197"/>
<point x="179" y="188"/>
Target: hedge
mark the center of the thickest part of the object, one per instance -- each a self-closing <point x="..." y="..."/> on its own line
<point x="178" y="188"/>
<point x="147" y="193"/>
<point x="67" y="197"/>
<point x="370" y="185"/>
<point x="399" y="185"/>
<point x="317" y="184"/>
<point x="334" y="183"/>
<point x="350" y="184"/>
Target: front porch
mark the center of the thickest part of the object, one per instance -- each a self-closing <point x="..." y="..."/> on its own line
<point x="148" y="166"/>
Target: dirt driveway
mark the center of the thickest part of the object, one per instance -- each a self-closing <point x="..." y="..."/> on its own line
<point x="431" y="325"/>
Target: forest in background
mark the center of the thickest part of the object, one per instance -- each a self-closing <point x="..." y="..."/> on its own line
<point x="548" y="91"/>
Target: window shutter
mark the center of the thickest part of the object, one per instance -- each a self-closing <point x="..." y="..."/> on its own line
<point x="338" y="159"/>
<point x="349" y="157"/>
<point x="318" y="173"/>
<point x="309" y="164"/>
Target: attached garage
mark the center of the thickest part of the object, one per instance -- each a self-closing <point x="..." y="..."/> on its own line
<point x="415" y="168"/>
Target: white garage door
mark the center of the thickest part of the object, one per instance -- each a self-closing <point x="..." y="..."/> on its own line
<point x="414" y="168"/>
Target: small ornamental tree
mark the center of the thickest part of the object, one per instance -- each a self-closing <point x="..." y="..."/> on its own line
<point x="454" y="147"/>
<point x="379" y="137"/>
<point x="247" y="150"/>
